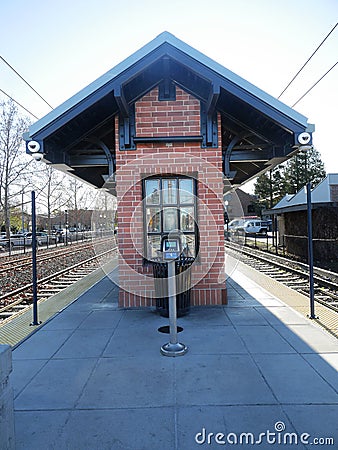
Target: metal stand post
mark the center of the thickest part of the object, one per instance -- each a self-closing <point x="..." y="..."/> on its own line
<point x="34" y="268"/>
<point x="173" y="348"/>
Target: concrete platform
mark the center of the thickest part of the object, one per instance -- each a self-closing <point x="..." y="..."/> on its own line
<point x="256" y="373"/>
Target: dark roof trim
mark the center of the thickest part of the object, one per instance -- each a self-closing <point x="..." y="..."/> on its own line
<point x="302" y="207"/>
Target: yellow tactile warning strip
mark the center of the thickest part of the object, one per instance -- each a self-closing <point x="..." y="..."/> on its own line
<point x="327" y="318"/>
<point x="19" y="327"/>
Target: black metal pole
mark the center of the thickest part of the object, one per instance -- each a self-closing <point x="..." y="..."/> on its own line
<point x="276" y="231"/>
<point x="66" y="219"/>
<point x="34" y="268"/>
<point x="310" y="250"/>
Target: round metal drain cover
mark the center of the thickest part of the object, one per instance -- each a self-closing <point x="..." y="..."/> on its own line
<point x="166" y="329"/>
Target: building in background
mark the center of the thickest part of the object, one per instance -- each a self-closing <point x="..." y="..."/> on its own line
<point x="291" y="213"/>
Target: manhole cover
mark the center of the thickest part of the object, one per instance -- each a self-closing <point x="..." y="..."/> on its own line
<point x="166" y="329"/>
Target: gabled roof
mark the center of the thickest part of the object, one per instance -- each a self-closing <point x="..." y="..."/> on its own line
<point x="284" y="201"/>
<point x="299" y="198"/>
<point x="321" y="195"/>
<point x="167" y="38"/>
<point x="258" y="131"/>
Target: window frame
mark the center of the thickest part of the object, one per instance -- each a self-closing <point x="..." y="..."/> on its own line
<point x="178" y="205"/>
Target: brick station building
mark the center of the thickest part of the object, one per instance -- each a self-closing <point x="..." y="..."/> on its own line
<point x="169" y="131"/>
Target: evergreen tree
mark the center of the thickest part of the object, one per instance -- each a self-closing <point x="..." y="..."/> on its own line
<point x="303" y="168"/>
<point x="263" y="190"/>
<point x="289" y="178"/>
<point x="270" y="187"/>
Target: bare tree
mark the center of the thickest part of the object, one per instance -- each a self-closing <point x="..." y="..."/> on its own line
<point x="13" y="159"/>
<point x="51" y="191"/>
<point x="80" y="196"/>
<point x="57" y="191"/>
<point x="104" y="213"/>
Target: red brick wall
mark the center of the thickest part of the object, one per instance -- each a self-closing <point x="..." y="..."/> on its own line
<point x="169" y="118"/>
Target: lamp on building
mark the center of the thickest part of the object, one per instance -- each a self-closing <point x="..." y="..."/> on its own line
<point x="35" y="150"/>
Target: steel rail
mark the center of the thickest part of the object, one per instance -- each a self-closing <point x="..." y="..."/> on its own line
<point x="285" y="266"/>
<point x="49" y="254"/>
<point x="45" y="280"/>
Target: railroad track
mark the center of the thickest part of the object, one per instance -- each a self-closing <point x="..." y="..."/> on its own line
<point x="19" y="299"/>
<point x="290" y="273"/>
<point x="15" y="272"/>
<point x="44" y="254"/>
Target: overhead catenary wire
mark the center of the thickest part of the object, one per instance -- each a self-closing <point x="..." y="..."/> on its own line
<point x="307" y="61"/>
<point x="310" y="89"/>
<point x="19" y="104"/>
<point x="299" y="71"/>
<point x="25" y="81"/>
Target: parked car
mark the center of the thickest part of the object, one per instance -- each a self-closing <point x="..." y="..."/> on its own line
<point x="4" y="242"/>
<point x="15" y="239"/>
<point x="61" y="233"/>
<point x="254" y="227"/>
<point x="25" y="240"/>
<point x="235" y="223"/>
<point x="42" y="238"/>
<point x="58" y="235"/>
<point x="232" y="226"/>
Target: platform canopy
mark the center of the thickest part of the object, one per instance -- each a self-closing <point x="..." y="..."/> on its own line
<point x="258" y="131"/>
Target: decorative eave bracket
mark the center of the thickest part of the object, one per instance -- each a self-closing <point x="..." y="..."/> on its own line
<point x="209" y="125"/>
<point x="126" y="121"/>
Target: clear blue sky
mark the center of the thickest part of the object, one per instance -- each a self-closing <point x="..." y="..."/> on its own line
<point x="60" y="47"/>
